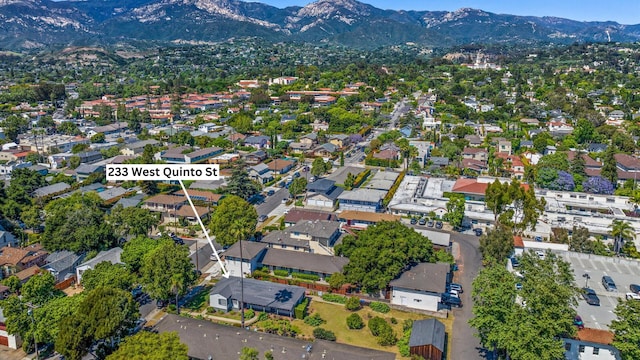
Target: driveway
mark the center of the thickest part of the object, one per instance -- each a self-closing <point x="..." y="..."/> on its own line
<point x="464" y="344"/>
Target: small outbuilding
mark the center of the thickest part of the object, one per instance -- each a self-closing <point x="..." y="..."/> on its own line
<point x="427" y="339"/>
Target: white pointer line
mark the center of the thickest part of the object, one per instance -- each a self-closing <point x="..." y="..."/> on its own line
<point x="206" y="233"/>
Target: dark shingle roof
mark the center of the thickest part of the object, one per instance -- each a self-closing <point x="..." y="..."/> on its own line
<point x="424" y="277"/>
<point x="250" y="250"/>
<point x="304" y="261"/>
<point x="260" y="293"/>
<point x="428" y="332"/>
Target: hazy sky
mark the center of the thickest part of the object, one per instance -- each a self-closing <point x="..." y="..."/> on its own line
<point x="622" y="11"/>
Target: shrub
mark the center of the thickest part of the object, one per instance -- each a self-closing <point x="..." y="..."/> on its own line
<point x="379" y="307"/>
<point x="376" y="324"/>
<point x="407" y="325"/>
<point x="322" y="334"/>
<point x="352" y="303"/>
<point x="314" y="320"/>
<point x="387" y="336"/>
<point x="403" y="344"/>
<point x="301" y="309"/>
<point x="302" y="276"/>
<point x="263" y="316"/>
<point x="249" y="314"/>
<point x="334" y="298"/>
<point x="394" y="320"/>
<point x="280" y="272"/>
<point x="211" y="310"/>
<point x="354" y="321"/>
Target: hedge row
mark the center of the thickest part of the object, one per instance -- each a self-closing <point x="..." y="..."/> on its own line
<point x="281" y="272"/>
<point x="361" y="178"/>
<point x="300" y="311"/>
<point x="379" y="307"/>
<point x="334" y="298"/>
<point x="303" y="276"/>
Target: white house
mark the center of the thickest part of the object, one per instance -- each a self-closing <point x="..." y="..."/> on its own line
<point x="252" y="254"/>
<point x="584" y="350"/>
<point x="111" y="255"/>
<point x="421" y="287"/>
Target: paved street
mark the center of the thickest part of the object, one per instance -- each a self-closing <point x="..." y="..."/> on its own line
<point x="464" y="344"/>
<point x="272" y="202"/>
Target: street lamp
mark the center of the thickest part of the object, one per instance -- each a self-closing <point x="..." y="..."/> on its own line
<point x="586" y="277"/>
<point x="33" y="320"/>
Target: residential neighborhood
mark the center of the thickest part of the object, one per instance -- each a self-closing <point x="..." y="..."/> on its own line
<point x="365" y="210"/>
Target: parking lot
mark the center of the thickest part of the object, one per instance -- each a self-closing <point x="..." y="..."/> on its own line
<point x="624" y="272"/>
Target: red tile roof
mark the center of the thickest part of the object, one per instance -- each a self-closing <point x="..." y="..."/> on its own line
<point x="470" y="186"/>
<point x="517" y="242"/>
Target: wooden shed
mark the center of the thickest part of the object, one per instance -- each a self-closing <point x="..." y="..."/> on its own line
<point x="427" y="339"/>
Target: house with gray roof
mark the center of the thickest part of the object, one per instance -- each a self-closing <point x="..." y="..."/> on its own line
<point x="421" y="287"/>
<point x="62" y="264"/>
<point x="260" y="173"/>
<point x="307" y="263"/>
<point x="428" y="338"/>
<point x="205" y="338"/>
<point x="323" y="193"/>
<point x="248" y="262"/>
<point x="132" y="201"/>
<point x="7" y="238"/>
<point x="51" y="189"/>
<point x="279" y="299"/>
<point x="111" y="255"/>
<point x="317" y="236"/>
<point x="85" y="170"/>
<point x="362" y="200"/>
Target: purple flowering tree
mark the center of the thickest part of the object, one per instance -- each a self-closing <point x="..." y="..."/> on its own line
<point x="355" y="138"/>
<point x="598" y="185"/>
<point x="563" y="182"/>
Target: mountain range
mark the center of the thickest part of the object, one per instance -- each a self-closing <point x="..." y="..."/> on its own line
<point x="40" y="23"/>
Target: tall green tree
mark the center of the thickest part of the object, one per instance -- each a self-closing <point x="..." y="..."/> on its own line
<point x="626" y="329"/>
<point x="455" y="210"/>
<point x="298" y="186"/>
<point x="147" y="345"/>
<point x="621" y="230"/>
<point x="135" y="250"/>
<point x="107" y="274"/>
<point x="381" y="252"/>
<point x="77" y="223"/>
<point x="234" y="219"/>
<point x="496" y="244"/>
<point x="240" y="184"/>
<point x="319" y="167"/>
<point x="40" y="288"/>
<point x="105" y="314"/>
<point x="132" y="220"/>
<point x="47" y="318"/>
<point x="167" y="270"/>
<point x="609" y="169"/>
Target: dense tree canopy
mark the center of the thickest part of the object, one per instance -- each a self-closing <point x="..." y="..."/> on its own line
<point x="107" y="274"/>
<point x="381" y="252"/>
<point x="135" y="250"/>
<point x="167" y="270"/>
<point x="240" y="184"/>
<point x="104" y="314"/>
<point x="132" y="220"/>
<point x="626" y="329"/>
<point x="496" y="244"/>
<point x="147" y="345"/>
<point x="77" y="223"/>
<point x="234" y="219"/>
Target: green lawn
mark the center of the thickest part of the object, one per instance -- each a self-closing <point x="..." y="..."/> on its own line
<point x="200" y="301"/>
<point x="335" y="316"/>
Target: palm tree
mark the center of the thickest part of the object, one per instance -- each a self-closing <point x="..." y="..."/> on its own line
<point x="620" y="230"/>
<point x="177" y="283"/>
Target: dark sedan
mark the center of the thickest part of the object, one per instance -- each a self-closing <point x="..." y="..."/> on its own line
<point x="635" y="288"/>
<point x="590" y="297"/>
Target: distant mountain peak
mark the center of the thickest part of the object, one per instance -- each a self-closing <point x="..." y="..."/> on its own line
<point x="328" y="8"/>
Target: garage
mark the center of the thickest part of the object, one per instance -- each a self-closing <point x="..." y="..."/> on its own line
<point x="319" y="201"/>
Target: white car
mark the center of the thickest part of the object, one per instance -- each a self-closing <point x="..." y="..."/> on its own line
<point x="632" y="296"/>
<point x="540" y="254"/>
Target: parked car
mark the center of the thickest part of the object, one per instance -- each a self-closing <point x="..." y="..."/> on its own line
<point x="590" y="297"/>
<point x="422" y="221"/>
<point x="518" y="286"/>
<point x="632" y="296"/>
<point x="453" y="293"/>
<point x="540" y="254"/>
<point x="414" y="221"/>
<point x="262" y="218"/>
<point x="477" y="231"/>
<point x="608" y="283"/>
<point x="635" y="288"/>
<point x="456" y="287"/>
<point x="452" y="301"/>
<point x="438" y="224"/>
<point x="577" y="321"/>
<point x="161" y="303"/>
<point x="271" y="192"/>
<point x="430" y="223"/>
<point x="514" y="262"/>
<point x="538" y="238"/>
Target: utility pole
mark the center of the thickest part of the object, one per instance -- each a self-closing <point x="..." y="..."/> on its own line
<point x="33" y="320"/>
<point x="241" y="287"/>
